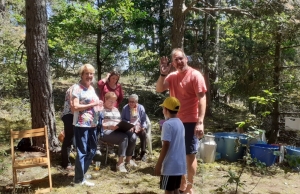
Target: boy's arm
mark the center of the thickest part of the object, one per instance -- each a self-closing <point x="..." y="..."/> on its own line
<point x="162" y="155"/>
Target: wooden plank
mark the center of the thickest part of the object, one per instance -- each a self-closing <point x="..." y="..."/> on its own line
<point x="33" y="181"/>
<point x="28" y="133"/>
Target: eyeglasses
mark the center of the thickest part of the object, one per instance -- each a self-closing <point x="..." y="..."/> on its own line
<point x="131" y="101"/>
<point x="178" y="58"/>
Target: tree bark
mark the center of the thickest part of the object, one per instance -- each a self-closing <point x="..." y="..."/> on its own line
<point x="178" y="27"/>
<point x="2" y="7"/>
<point x="39" y="77"/>
<point x="276" y="79"/>
<point x="99" y="64"/>
<point x="161" y="25"/>
<point x="213" y="71"/>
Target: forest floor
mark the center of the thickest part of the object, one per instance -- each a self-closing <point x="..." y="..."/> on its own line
<point x="210" y="177"/>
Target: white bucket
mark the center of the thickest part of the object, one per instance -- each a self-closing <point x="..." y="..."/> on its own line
<point x="207" y="149"/>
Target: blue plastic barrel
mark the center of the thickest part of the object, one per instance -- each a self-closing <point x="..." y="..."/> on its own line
<point x="293" y="151"/>
<point x="264" y="153"/>
<point x="227" y="144"/>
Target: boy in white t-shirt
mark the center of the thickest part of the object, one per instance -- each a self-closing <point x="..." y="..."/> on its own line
<point x="171" y="164"/>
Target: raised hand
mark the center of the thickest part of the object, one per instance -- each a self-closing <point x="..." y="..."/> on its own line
<point x="164" y="65"/>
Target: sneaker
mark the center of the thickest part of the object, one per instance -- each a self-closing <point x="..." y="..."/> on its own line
<point x="98" y="152"/>
<point x="84" y="182"/>
<point x="121" y="168"/>
<point x="144" y="158"/>
<point x="87" y="183"/>
<point x="87" y="176"/>
<point x="131" y="163"/>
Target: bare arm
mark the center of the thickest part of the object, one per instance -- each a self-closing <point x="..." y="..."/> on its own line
<point x="162" y="155"/>
<point x="71" y="101"/>
<point x="81" y="107"/>
<point x="199" y="128"/>
<point x="106" y="78"/>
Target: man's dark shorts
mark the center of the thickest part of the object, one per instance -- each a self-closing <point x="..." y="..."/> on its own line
<point x="191" y="141"/>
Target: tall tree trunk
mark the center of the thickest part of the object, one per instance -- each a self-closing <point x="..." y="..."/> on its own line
<point x="161" y="25"/>
<point x="99" y="65"/>
<point x="39" y="80"/>
<point x="214" y="44"/>
<point x="178" y="24"/>
<point x="206" y="62"/>
<point x="2" y="7"/>
<point x="276" y="75"/>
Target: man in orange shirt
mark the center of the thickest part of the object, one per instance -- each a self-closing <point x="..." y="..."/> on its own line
<point x="187" y="85"/>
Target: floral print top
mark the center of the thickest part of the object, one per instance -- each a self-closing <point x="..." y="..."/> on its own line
<point x="67" y="103"/>
<point x="88" y="117"/>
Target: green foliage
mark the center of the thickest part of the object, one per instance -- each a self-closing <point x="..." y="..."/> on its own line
<point x="3" y="153"/>
<point x="248" y="46"/>
<point x="75" y="30"/>
<point x="292" y="160"/>
<point x="263" y="108"/>
<point x="143" y="61"/>
<point x="232" y="179"/>
<point x="13" y="72"/>
<point x="15" y="109"/>
<point x="235" y="178"/>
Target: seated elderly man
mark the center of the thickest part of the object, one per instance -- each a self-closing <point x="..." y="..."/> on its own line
<point x="134" y="113"/>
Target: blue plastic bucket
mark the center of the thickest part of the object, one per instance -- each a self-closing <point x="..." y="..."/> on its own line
<point x="264" y="153"/>
<point x="226" y="145"/>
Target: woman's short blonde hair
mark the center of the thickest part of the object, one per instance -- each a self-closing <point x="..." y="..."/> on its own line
<point x="110" y="95"/>
<point x="86" y="68"/>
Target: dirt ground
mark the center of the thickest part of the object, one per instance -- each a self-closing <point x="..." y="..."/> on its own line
<point x="209" y="178"/>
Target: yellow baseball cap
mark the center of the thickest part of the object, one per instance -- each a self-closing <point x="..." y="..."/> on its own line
<point x="171" y="103"/>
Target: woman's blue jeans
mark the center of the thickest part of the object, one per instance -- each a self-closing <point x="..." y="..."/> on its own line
<point x="86" y="145"/>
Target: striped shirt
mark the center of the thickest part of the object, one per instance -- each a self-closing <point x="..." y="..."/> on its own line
<point x="111" y="117"/>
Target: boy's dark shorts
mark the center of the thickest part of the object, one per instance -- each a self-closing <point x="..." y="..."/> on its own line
<point x="191" y="141"/>
<point x="170" y="183"/>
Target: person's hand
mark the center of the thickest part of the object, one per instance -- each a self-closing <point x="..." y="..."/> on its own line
<point x="99" y="107"/>
<point x="137" y="129"/>
<point x="157" y="170"/>
<point x="199" y="130"/>
<point x="111" y="127"/>
<point x="132" y="129"/>
<point x="164" y="65"/>
<point x="107" y="76"/>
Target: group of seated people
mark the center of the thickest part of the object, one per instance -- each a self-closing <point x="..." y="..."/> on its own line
<point x="132" y="113"/>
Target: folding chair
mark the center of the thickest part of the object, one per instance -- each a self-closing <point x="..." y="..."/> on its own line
<point x="33" y="161"/>
<point x="107" y="148"/>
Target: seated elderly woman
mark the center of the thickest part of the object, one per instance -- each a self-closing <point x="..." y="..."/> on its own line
<point x="134" y="113"/>
<point x="125" y="140"/>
